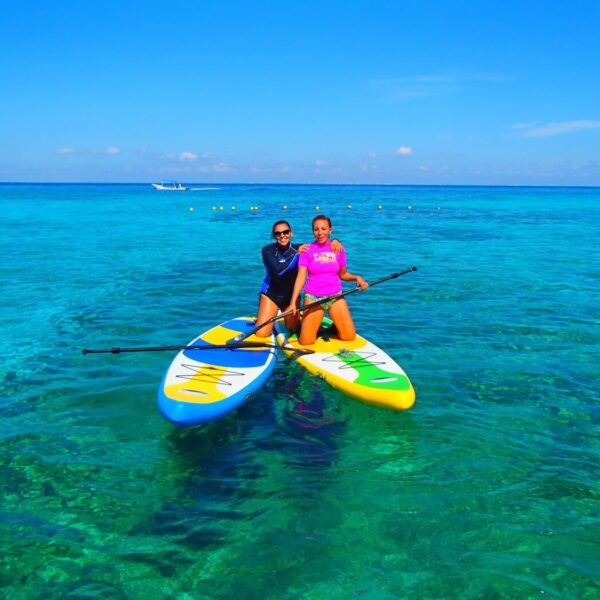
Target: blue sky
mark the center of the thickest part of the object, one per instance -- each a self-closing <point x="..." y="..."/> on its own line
<point x="393" y="92"/>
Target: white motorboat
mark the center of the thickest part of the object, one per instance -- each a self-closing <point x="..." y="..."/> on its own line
<point x="169" y="185"/>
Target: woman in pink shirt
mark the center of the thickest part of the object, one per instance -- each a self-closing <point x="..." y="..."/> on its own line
<point x="323" y="271"/>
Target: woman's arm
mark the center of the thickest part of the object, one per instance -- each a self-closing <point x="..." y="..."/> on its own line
<point x="345" y="275"/>
<point x="298" y="285"/>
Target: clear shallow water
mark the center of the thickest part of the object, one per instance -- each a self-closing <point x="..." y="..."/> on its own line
<point x="487" y="488"/>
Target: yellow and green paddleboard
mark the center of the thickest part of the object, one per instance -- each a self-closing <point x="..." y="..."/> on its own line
<point x="359" y="368"/>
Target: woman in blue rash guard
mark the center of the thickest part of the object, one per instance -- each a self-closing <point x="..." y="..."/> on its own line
<point x="281" y="263"/>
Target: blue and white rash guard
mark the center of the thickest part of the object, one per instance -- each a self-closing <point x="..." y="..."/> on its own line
<point x="281" y="265"/>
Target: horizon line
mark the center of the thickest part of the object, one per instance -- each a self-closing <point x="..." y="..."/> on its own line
<point x="264" y="183"/>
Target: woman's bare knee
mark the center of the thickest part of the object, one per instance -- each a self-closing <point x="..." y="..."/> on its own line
<point x="348" y="336"/>
<point x="307" y="340"/>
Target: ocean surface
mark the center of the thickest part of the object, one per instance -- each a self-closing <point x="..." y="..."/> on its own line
<point x="489" y="487"/>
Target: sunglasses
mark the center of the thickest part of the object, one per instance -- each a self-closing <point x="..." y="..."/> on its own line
<point x="280" y="233"/>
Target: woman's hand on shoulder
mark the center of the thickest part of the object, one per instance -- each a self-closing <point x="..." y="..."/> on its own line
<point x="303" y="248"/>
<point x="336" y="246"/>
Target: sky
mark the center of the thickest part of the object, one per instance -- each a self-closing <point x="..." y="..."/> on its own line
<point x="354" y="92"/>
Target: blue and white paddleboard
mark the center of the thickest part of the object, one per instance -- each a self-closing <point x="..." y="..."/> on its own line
<point x="203" y="385"/>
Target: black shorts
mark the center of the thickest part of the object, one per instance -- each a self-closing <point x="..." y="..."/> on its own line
<point x="280" y="301"/>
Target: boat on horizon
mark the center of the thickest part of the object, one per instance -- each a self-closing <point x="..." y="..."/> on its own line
<point x="169" y="185"/>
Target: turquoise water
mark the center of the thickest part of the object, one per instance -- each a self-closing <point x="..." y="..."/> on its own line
<point x="487" y="488"/>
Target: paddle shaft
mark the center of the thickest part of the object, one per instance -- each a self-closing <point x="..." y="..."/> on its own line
<point x="239" y="338"/>
<point x="167" y="348"/>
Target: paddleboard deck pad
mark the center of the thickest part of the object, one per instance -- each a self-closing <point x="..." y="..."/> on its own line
<point x="358" y="368"/>
<point x="203" y="385"/>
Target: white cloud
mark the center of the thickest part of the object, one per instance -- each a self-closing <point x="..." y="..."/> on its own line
<point x="369" y="168"/>
<point x="188" y="156"/>
<point x="404" y="151"/>
<point x="397" y="89"/>
<point x="64" y="151"/>
<point x="221" y="167"/>
<point x="533" y="130"/>
<point x="525" y="125"/>
<point x="284" y="169"/>
<point x="373" y="155"/>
